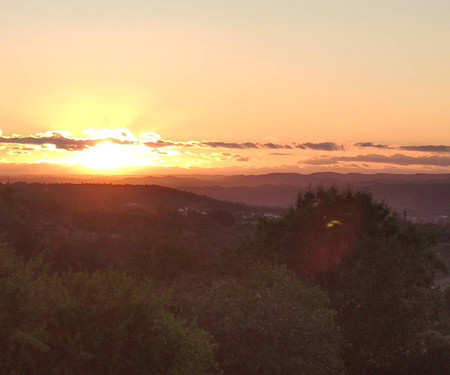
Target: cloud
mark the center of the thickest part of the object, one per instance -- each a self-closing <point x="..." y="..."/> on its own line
<point x="397" y="159"/>
<point x="19" y="152"/>
<point x="63" y="141"/>
<point x="161" y="144"/>
<point x="324" y="146"/>
<point x="229" y="145"/>
<point x="320" y="161"/>
<point x="280" y="153"/>
<point x="371" y="144"/>
<point x="272" y="146"/>
<point x="60" y="141"/>
<point x="250" y="145"/>
<point x="428" y="148"/>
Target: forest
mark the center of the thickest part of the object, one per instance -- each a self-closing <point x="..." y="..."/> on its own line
<point x="120" y="279"/>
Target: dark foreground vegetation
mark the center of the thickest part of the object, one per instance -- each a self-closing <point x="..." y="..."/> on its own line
<point x="99" y="279"/>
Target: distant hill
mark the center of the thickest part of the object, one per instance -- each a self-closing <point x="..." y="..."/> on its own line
<point x="101" y="196"/>
<point x="422" y="202"/>
<point x="424" y="197"/>
<point x="295" y="179"/>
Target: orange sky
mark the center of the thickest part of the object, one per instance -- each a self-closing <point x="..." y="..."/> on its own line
<point x="367" y="86"/>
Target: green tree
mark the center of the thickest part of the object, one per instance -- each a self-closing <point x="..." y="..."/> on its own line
<point x="104" y="323"/>
<point x="377" y="269"/>
<point x="23" y="332"/>
<point x="114" y="325"/>
<point x="267" y="322"/>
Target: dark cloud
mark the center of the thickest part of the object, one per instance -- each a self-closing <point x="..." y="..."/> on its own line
<point x="59" y="141"/>
<point x="63" y="142"/>
<point x="275" y="146"/>
<point x="239" y="157"/>
<point x="372" y="145"/>
<point x="250" y="145"/>
<point x="72" y="144"/>
<point x="272" y="146"/>
<point x="398" y="159"/>
<point x="428" y="148"/>
<point x="324" y="146"/>
<point x="231" y="145"/>
<point x="280" y="153"/>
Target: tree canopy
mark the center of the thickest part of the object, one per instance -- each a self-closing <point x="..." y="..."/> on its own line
<point x="104" y="323"/>
<point x="339" y="284"/>
<point x="376" y="267"/>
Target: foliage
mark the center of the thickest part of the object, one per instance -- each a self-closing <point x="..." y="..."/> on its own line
<point x="103" y="323"/>
<point x="23" y="334"/>
<point x="267" y="322"/>
<point x="377" y="269"/>
<point x="338" y="280"/>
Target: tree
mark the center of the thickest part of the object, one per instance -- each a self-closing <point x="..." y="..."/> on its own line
<point x="114" y="325"/>
<point x="23" y="335"/>
<point x="266" y="321"/>
<point x="377" y="269"/>
<point x="104" y="323"/>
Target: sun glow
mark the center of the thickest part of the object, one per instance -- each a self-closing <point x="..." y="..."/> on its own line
<point x="111" y="157"/>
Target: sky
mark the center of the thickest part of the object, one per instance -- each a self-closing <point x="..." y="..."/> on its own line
<point x="205" y="86"/>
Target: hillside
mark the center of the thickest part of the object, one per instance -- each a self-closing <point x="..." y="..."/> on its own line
<point x="111" y="197"/>
<point x="295" y="179"/>
<point x="423" y="197"/>
<point x="162" y="276"/>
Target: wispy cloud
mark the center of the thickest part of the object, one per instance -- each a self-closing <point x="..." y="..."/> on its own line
<point x="60" y="141"/>
<point x="161" y="144"/>
<point x="371" y="145"/>
<point x="398" y="159"/>
<point x="280" y="153"/>
<point x="68" y="143"/>
<point x="274" y="146"/>
<point x="425" y="148"/>
<point x="324" y="146"/>
<point x="428" y="148"/>
<point x="151" y="148"/>
<point x="228" y="145"/>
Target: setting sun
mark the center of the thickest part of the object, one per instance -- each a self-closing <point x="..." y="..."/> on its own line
<point x="109" y="157"/>
<point x="232" y="87"/>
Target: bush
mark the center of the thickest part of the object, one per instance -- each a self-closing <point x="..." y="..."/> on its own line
<point x="103" y="323"/>
<point x="267" y="322"/>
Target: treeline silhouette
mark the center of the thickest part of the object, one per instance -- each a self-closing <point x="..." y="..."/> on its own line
<point x="103" y="279"/>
